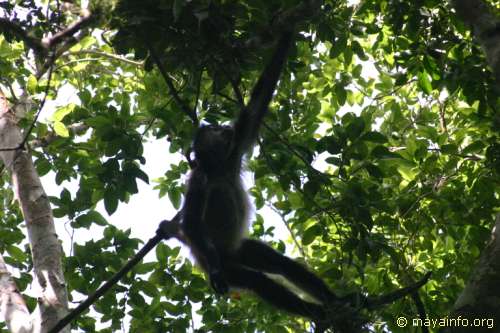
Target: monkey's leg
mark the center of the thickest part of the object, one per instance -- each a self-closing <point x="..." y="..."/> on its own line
<point x="272" y="292"/>
<point x="262" y="257"/>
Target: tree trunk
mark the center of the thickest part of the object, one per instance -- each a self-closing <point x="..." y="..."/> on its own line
<point x="35" y="206"/>
<point x="485" y="28"/>
<point x="477" y="308"/>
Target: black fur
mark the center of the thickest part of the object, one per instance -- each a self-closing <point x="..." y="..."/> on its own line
<point x="215" y="212"/>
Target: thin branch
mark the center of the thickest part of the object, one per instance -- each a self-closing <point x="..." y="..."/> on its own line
<point x="46" y="93"/>
<point x="290" y="231"/>
<point x="58" y="53"/>
<point x="294" y="152"/>
<point x="166" y="230"/>
<point x="184" y="107"/>
<point x="11" y="90"/>
<point x="33" y="123"/>
<point x="76" y="61"/>
<point x="198" y="90"/>
<point x="237" y="92"/>
<point x="109" y="56"/>
<point x="229" y="98"/>
<point x="442" y="116"/>
<point x="390" y="93"/>
<point x="73" y="28"/>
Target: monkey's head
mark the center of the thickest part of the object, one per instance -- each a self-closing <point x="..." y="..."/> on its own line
<point x="212" y="145"/>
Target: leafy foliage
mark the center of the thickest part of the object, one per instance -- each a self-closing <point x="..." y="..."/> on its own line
<point x="380" y="152"/>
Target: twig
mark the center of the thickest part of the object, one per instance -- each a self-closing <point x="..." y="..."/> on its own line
<point x="171" y="87"/>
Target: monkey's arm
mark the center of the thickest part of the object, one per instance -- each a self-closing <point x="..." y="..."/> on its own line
<point x="197" y="234"/>
<point x="248" y="123"/>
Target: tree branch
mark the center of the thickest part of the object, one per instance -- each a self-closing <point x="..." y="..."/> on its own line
<point x="166" y="230"/>
<point x="70" y="30"/>
<point x="420" y="310"/>
<point x="19" y="32"/>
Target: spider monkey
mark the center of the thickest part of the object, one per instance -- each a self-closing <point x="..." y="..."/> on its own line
<point x="215" y="211"/>
<point x="215" y="219"/>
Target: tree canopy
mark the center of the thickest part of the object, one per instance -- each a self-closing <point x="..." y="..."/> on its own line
<point x="380" y="153"/>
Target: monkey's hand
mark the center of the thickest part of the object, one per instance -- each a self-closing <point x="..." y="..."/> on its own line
<point x="218" y="282"/>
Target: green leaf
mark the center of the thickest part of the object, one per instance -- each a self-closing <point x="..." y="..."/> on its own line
<point x="16" y="253"/>
<point x="355" y="128"/>
<point x="356" y="47"/>
<point x="60" y="129"/>
<point x="87" y="41"/>
<point x="97" y="218"/>
<point x="331" y="144"/>
<point x="62" y="112"/>
<point x="424" y="82"/>
<point x="177" y="8"/>
<point x="383" y="152"/>
<point x="98" y="121"/>
<point x="82" y="221"/>
<point x="374" y="137"/>
<point x="162" y="251"/>
<point x="295" y="200"/>
<point x="43" y="166"/>
<point x="310" y="234"/>
<point x="338" y="47"/>
<point x="340" y="93"/>
<point x="110" y="201"/>
<point x="334" y="160"/>
<point x="32" y="84"/>
<point x="174" y="194"/>
<point x="473" y="148"/>
<point x="374" y="171"/>
<point x="449" y="149"/>
<point x="141" y="175"/>
<point x="409" y="173"/>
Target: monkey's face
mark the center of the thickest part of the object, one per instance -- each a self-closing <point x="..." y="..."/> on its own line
<point x="213" y="143"/>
